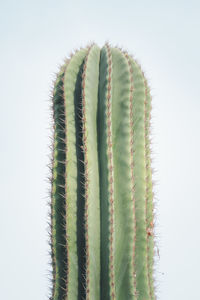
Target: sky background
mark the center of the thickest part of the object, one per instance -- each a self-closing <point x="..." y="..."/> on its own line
<point x="35" y="37"/>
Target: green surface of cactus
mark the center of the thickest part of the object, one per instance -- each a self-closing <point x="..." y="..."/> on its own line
<point x="102" y="226"/>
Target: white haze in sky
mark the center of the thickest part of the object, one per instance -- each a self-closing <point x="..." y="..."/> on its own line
<point x="35" y="36"/>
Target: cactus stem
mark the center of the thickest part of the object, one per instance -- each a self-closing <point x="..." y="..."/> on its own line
<point x="102" y="210"/>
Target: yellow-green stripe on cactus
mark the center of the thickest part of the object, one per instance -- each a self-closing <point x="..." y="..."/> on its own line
<point x="102" y="227"/>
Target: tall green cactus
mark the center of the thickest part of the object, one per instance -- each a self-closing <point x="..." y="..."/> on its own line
<point x="102" y="237"/>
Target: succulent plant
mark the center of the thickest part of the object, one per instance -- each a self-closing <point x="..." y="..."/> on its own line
<point x="102" y="208"/>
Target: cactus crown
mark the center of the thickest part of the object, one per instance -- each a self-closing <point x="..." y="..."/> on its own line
<point x="102" y="227"/>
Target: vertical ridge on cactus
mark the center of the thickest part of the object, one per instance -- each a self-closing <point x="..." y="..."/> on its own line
<point x="90" y="79"/>
<point x="58" y="199"/>
<point x="102" y="209"/>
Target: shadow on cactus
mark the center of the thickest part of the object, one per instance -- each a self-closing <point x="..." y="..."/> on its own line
<point x="102" y="227"/>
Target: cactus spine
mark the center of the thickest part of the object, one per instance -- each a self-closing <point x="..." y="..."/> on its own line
<point x="102" y="238"/>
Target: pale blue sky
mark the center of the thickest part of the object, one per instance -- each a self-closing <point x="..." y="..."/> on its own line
<point x="35" y="36"/>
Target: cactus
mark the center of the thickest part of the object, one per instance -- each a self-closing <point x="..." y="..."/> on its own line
<point x="102" y="227"/>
